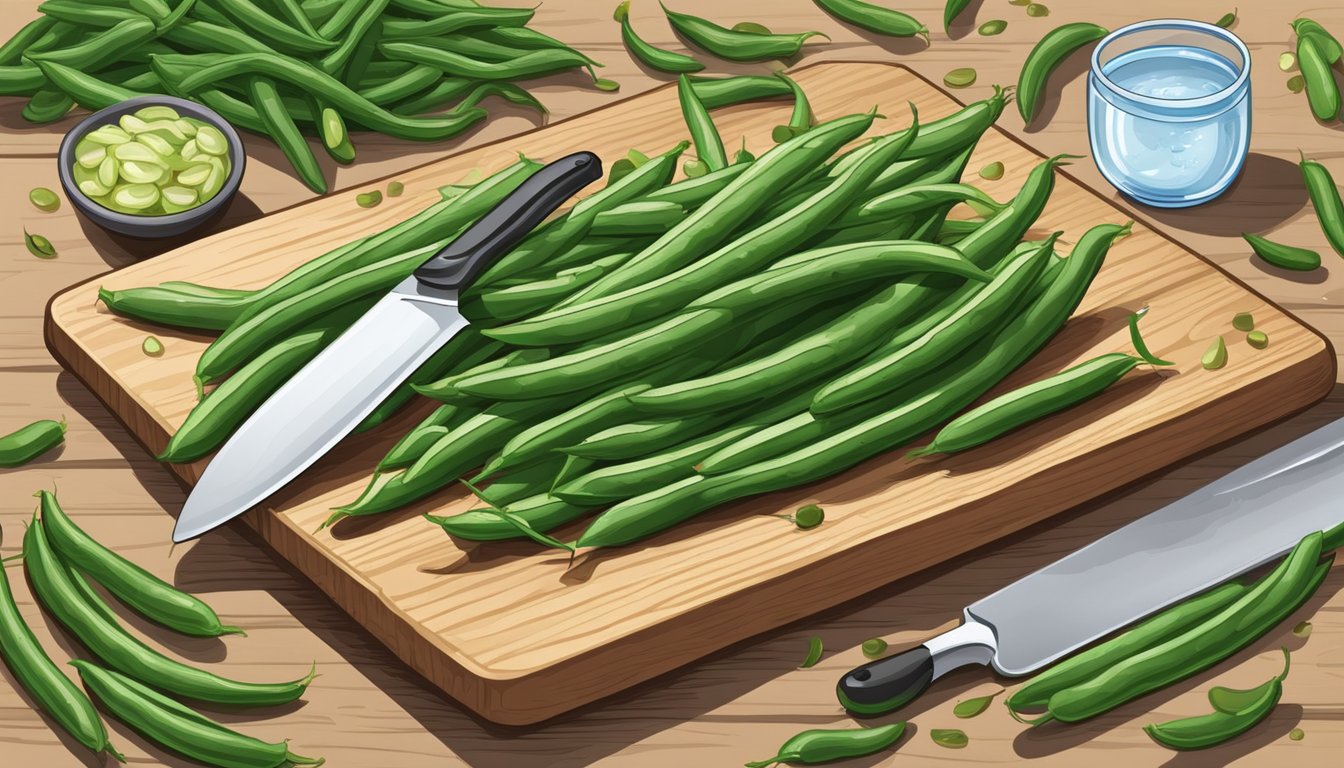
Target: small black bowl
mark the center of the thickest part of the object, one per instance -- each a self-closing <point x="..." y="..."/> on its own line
<point x="151" y="226"/>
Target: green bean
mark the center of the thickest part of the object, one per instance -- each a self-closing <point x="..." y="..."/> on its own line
<point x="464" y="18"/>
<point x="711" y="223"/>
<point x="625" y="442"/>
<point x="147" y="594"/>
<point x="692" y="193"/>
<point x="908" y="416"/>
<point x="47" y="106"/>
<point x="205" y="36"/>
<point x="821" y="745"/>
<point x="545" y="61"/>
<point x="172" y="305"/>
<point x="445" y="388"/>
<point x="875" y="18"/>
<point x="20" y="80"/>
<point x="84" y="14"/>
<point x="1223" y="724"/>
<point x="309" y="79"/>
<point x="335" y="137"/>
<point x="27" y="443"/>
<point x="648" y="54"/>
<point x="970" y="322"/>
<point x="282" y="128"/>
<point x="414" y="80"/>
<point x="716" y="92"/>
<point x="52" y="583"/>
<point x="361" y="39"/>
<point x="913" y="199"/>
<point x="708" y="145"/>
<point x="87" y="90"/>
<point x="1057" y="45"/>
<point x="547" y="435"/>
<point x="1081" y="667"/>
<point x="541" y="512"/>
<point x="565" y="233"/>
<point x="1322" y="91"/>
<point x="1325" y="199"/>
<point x="1239" y="624"/>
<point x="414" y="443"/>
<point x="217" y="415"/>
<point x="464" y="447"/>
<point x="43" y="681"/>
<point x="104" y="48"/>
<point x="642" y="217"/>
<point x="736" y="46"/>
<point x="285" y="37"/>
<point x="1327" y="43"/>
<point x="519" y="301"/>
<point x="1283" y="256"/>
<point x="166" y="722"/>
<point x="951" y="10"/>
<point x="617" y="482"/>
<point x="13" y="48"/>
<point x="1022" y="406"/>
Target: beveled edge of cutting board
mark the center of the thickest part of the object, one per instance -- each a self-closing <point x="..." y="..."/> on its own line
<point x="504" y="697"/>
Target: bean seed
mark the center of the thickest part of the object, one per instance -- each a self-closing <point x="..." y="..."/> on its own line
<point x="152" y="346"/>
<point x="992" y="172"/>
<point x="1257" y="339"/>
<point x="1036" y="10"/>
<point x="959" y="78"/>
<point x="368" y="199"/>
<point x="1215" y="356"/>
<point x="993" y="27"/>
<point x="44" y="199"/>
<point x="1243" y="321"/>
<point x="1287" y="60"/>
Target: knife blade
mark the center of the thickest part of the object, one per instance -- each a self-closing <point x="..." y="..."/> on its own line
<point x="318" y="406"/>
<point x="1245" y="519"/>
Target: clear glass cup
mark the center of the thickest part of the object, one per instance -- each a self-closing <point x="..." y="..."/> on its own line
<point x="1169" y="110"/>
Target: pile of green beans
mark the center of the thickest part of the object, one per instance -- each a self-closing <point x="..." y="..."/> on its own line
<point x="667" y="345"/>
<point x="414" y="69"/>
<point x="132" y="681"/>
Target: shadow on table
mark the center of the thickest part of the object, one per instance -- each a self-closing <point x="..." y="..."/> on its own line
<point x="919" y="605"/>
<point x="1269" y="190"/>
<point x="122" y="250"/>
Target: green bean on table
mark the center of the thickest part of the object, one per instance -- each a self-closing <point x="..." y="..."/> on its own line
<point x="27" y="443"/>
<point x="736" y="46"/>
<point x="716" y="92"/>
<point x="1326" y="200"/>
<point x="1057" y="45"/>
<point x="283" y="37"/>
<point x="648" y="54"/>
<point x="183" y="730"/>
<point x="281" y="127"/>
<point x="1224" y="723"/>
<point x="1283" y="256"/>
<point x="1322" y="90"/>
<point x="708" y="145"/>
<point x="43" y="681"/>
<point x="53" y="585"/>
<point x="149" y="595"/>
<point x="875" y="18"/>
<point x="823" y="745"/>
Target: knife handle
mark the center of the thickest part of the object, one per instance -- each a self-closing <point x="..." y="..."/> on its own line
<point x="890" y="683"/>
<point x="495" y="233"/>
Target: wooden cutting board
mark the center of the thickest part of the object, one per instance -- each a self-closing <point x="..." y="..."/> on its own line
<point x="515" y="634"/>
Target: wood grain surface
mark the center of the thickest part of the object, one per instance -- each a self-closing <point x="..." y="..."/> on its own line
<point x="369" y="710"/>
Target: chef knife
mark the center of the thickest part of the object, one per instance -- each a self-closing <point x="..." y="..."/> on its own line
<point x="1240" y="521"/>
<point x="330" y="396"/>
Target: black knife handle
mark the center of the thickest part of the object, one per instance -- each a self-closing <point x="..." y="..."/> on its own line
<point x="886" y="684"/>
<point x="495" y="233"/>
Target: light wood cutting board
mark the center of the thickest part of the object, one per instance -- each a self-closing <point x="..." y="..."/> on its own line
<point x="517" y="636"/>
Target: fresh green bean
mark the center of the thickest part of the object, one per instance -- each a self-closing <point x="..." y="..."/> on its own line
<point x="27" y="443"/>
<point x="519" y="301"/>
<point x="909" y="416"/>
<point x="1283" y="256"/>
<point x="716" y="92"/>
<point x="1081" y="667"/>
<point x="692" y="193"/>
<point x="414" y="443"/>
<point x="649" y="54"/>
<point x="541" y="512"/>
<point x="360" y="41"/>
<point x="1258" y="609"/>
<point x="172" y="305"/>
<point x="52" y="583"/>
<point x="875" y="18"/>
<point x="708" y="144"/>
<point x="1057" y="45"/>
<point x="253" y="333"/>
<point x="445" y="388"/>
<point x="84" y="14"/>
<point x="147" y="594"/>
<point x="43" y="681"/>
<point x="1325" y="199"/>
<point x="458" y="19"/>
<point x="710" y="224"/>
<point x="166" y="722"/>
<point x="102" y="49"/>
<point x="1027" y="404"/>
<point x="951" y="10"/>
<point x="20" y="80"/>
<point x="1223" y="724"/>
<point x="284" y="37"/>
<point x="736" y="46"/>
<point x="823" y="745"/>
<point x="950" y="338"/>
<point x="641" y="217"/>
<point x="1322" y="91"/>
<point x="311" y="80"/>
<point x="914" y="199"/>
<point x="335" y="137"/>
<point x="282" y="128"/>
<point x="544" y="61"/>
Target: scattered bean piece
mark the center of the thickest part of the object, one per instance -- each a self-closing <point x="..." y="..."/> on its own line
<point x="959" y="78"/>
<point x="952" y="738"/>
<point x="992" y="172"/>
<point x="809" y="516"/>
<point x="1296" y="734"/>
<point x="39" y="246"/>
<point x="972" y="707"/>
<point x="1215" y="356"/>
<point x="1296" y="83"/>
<point x="1303" y="629"/>
<point x="992" y="27"/>
<point x="814" y="650"/>
<point x="1227" y="20"/>
<point x="694" y="168"/>
<point x="395" y="188"/>
<point x="1287" y="60"/>
<point x="368" y="199"/>
<point x="1036" y="11"/>
<point x="874" y="648"/>
<point x="152" y="346"/>
<point x="1257" y="339"/>
<point x="603" y="84"/>
<point x="1243" y="321"/>
<point x="752" y="28"/>
<point x="44" y="199"/>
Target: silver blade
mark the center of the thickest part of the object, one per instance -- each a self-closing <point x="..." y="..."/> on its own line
<point x="1236" y="523"/>
<point x="321" y="404"/>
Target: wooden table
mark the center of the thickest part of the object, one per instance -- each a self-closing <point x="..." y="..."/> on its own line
<point x="368" y="710"/>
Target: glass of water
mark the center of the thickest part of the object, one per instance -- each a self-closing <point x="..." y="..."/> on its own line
<point x="1169" y="110"/>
